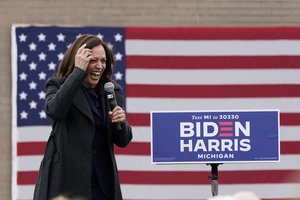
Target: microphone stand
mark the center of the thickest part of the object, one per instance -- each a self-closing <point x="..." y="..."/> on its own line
<point x="214" y="178"/>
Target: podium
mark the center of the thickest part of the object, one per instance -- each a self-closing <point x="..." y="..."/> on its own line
<point x="214" y="138"/>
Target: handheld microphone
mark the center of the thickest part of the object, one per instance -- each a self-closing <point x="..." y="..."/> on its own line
<point x="109" y="89"/>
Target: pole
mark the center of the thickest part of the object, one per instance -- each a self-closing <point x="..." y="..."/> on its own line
<point x="214" y="178"/>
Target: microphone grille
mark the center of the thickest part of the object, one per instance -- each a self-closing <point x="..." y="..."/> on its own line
<point x="109" y="87"/>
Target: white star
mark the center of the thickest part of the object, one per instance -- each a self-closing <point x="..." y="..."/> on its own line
<point x="32" y="105"/>
<point x="118" y="76"/>
<point x="118" y="56"/>
<point x="24" y="115"/>
<point x="42" y="56"/>
<point x="60" y="56"/>
<point x="60" y="37"/>
<point x="32" y="66"/>
<point x="51" y="66"/>
<point x="22" y="37"/>
<point x="42" y="37"/>
<point x="100" y="36"/>
<point x="32" y="46"/>
<point x="23" y="57"/>
<point x="110" y="46"/>
<point x="118" y="37"/>
<point x="23" y="76"/>
<point x="23" y="95"/>
<point x="42" y="95"/>
<point x="42" y="114"/>
<point x="32" y="85"/>
<point x="51" y="47"/>
<point x="42" y="76"/>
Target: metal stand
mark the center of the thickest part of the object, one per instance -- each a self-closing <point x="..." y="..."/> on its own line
<point x="214" y="178"/>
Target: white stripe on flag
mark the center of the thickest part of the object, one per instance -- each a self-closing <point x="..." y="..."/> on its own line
<point x="146" y="105"/>
<point x="212" y="47"/>
<point x="204" y="77"/>
<point x="33" y="133"/>
<point x="204" y="191"/>
<point x="290" y="133"/>
<point x="279" y="191"/>
<point x="126" y="162"/>
<point x="24" y="192"/>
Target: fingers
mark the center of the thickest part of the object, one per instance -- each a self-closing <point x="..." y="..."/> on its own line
<point x="118" y="114"/>
<point x="83" y="57"/>
<point x="82" y="50"/>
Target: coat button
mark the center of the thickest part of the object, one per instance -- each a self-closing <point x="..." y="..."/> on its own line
<point x="94" y="151"/>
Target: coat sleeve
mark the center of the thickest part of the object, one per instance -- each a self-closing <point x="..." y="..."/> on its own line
<point x="59" y="95"/>
<point x="124" y="136"/>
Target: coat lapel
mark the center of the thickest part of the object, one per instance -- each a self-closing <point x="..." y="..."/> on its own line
<point x="81" y="103"/>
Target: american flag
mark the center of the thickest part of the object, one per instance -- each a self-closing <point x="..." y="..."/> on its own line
<point x="169" y="69"/>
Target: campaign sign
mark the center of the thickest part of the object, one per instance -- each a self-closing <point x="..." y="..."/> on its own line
<point x="215" y="136"/>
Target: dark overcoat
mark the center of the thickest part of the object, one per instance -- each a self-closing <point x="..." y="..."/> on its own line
<point x="67" y="163"/>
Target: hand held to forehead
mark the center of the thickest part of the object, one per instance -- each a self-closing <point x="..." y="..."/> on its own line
<point x="83" y="57"/>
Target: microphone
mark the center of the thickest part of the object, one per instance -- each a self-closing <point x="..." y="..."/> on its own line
<point x="109" y="89"/>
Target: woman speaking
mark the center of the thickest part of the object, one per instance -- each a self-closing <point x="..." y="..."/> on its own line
<point x="79" y="159"/>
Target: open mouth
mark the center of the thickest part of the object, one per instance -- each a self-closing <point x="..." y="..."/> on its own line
<point x="95" y="75"/>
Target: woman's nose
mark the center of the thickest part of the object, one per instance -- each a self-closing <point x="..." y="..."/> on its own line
<point x="99" y="65"/>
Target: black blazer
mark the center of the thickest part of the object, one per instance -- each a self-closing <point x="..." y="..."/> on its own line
<point x="66" y="166"/>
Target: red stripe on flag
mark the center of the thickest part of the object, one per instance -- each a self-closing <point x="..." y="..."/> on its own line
<point x="212" y="62"/>
<point x="212" y="91"/>
<point x="143" y="119"/>
<point x="188" y="177"/>
<point x="138" y="119"/>
<point x="290" y="147"/>
<point x="26" y="177"/>
<point x="135" y="148"/>
<point x="213" y="33"/>
<point x="30" y="148"/>
<point x="290" y="119"/>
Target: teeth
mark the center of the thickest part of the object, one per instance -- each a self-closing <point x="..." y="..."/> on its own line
<point x="96" y="73"/>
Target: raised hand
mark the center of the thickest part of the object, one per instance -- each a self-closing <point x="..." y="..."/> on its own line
<point x="83" y="57"/>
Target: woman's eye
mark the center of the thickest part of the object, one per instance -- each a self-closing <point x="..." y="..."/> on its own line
<point x="93" y="61"/>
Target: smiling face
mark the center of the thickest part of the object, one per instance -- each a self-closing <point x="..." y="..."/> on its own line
<point x="96" y="66"/>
